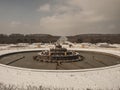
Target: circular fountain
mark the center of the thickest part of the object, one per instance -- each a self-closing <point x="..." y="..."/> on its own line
<point x="59" y="58"/>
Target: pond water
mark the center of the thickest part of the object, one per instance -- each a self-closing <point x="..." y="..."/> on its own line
<point x="91" y="60"/>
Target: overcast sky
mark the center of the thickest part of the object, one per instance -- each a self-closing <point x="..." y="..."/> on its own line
<point x="60" y="17"/>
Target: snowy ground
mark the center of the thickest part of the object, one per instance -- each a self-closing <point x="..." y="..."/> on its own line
<point x="107" y="78"/>
<point x="76" y="45"/>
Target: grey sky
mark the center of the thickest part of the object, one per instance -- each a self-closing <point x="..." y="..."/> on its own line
<point x="60" y="17"/>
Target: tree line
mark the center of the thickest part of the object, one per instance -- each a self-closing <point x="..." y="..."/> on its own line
<point x="95" y="38"/>
<point x="29" y="38"/>
<point x="46" y="38"/>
